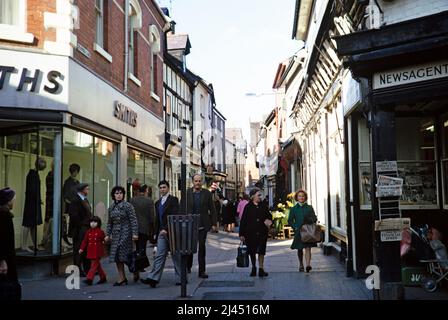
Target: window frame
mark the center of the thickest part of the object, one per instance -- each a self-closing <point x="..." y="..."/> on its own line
<point x="17" y="32"/>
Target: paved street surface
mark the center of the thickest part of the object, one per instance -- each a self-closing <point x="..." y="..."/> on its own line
<point x="326" y="281"/>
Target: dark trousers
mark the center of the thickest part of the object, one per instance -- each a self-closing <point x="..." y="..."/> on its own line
<point x="141" y="242"/>
<point x="202" y="237"/>
<point x="80" y="260"/>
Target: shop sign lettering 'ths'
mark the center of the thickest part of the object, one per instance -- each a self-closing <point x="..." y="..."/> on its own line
<point x="53" y="86"/>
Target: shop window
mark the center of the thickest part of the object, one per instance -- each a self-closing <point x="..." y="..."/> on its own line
<point x="445" y="161"/>
<point x="415" y="140"/>
<point x="92" y="160"/>
<point x="142" y="169"/>
<point x="105" y="177"/>
<point x="29" y="163"/>
<point x="136" y="170"/>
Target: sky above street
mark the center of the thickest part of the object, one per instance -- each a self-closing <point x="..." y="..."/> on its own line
<point x="237" y="45"/>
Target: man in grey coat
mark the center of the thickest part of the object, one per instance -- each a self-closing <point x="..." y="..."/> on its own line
<point x="200" y="201"/>
<point x="144" y="210"/>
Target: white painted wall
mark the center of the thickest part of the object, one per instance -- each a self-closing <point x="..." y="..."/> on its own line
<point x="402" y="10"/>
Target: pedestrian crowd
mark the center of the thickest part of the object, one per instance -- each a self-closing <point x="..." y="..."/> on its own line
<point x="131" y="224"/>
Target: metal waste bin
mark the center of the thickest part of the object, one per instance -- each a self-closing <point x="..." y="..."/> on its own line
<point x="183" y="231"/>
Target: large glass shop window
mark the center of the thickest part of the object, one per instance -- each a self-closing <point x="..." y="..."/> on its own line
<point x="92" y="160"/>
<point x="415" y="138"/>
<point x="30" y="164"/>
<point x="142" y="168"/>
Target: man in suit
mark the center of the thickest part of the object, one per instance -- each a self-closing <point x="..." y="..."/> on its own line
<point x="165" y="206"/>
<point x="80" y="213"/>
<point x="200" y="201"/>
<point x="144" y="210"/>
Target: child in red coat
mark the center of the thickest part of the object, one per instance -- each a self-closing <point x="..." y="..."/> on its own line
<point x="94" y="240"/>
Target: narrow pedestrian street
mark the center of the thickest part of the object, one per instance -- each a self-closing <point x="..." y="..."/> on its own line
<point x="327" y="280"/>
<point x="226" y="281"/>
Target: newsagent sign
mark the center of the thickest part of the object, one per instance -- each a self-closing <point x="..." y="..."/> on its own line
<point x="412" y="74"/>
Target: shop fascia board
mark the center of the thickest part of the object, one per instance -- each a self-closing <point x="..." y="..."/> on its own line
<point x="393" y="35"/>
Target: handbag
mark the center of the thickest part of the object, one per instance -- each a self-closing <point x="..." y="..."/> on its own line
<point x="310" y="233"/>
<point x="138" y="261"/>
<point x="242" y="258"/>
<point x="9" y="290"/>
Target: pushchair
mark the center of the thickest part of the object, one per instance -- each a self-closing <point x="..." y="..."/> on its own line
<point x="437" y="267"/>
<point x="423" y="245"/>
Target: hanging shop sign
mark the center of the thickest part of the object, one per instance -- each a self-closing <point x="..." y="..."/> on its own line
<point x="125" y="114"/>
<point x="412" y="74"/>
<point x="351" y="93"/>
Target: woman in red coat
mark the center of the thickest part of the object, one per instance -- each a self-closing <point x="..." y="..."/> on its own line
<point x="94" y="240"/>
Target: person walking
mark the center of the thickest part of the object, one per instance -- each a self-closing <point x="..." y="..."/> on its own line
<point x="254" y="228"/>
<point x="200" y="201"/>
<point x="302" y="213"/>
<point x="80" y="213"/>
<point x="241" y="205"/>
<point x="94" y="243"/>
<point x="8" y="266"/>
<point x="228" y="215"/>
<point x="122" y="230"/>
<point x="144" y="210"/>
<point x="165" y="206"/>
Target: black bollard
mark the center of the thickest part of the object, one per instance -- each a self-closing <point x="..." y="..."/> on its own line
<point x="183" y="276"/>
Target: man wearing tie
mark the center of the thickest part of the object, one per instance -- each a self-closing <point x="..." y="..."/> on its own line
<point x="199" y="201"/>
<point x="166" y="205"/>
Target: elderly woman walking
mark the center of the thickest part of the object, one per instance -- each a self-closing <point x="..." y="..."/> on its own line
<point x="122" y="230"/>
<point x="254" y="229"/>
<point x="302" y="213"/>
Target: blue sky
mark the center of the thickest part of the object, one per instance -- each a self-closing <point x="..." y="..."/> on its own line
<point x="237" y="46"/>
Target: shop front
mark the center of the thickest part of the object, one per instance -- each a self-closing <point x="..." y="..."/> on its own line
<point x="396" y="111"/>
<point x="61" y="125"/>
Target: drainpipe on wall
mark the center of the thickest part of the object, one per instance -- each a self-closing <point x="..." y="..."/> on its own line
<point x="126" y="45"/>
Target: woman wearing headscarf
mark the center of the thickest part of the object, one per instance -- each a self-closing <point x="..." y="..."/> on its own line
<point x="254" y="228"/>
<point x="302" y="213"/>
<point x="122" y="230"/>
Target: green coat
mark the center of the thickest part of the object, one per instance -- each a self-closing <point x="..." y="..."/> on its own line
<point x="299" y="215"/>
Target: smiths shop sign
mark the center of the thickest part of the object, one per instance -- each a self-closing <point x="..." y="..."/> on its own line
<point x="412" y="74"/>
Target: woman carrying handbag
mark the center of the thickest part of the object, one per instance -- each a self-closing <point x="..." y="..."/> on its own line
<point x="302" y="214"/>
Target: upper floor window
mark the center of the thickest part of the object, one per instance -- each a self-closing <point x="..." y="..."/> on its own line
<point x="135" y="23"/>
<point x="13" y="21"/>
<point x="154" y="39"/>
<point x="12" y="13"/>
<point x="99" y="12"/>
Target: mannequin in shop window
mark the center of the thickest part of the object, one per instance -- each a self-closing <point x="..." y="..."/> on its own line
<point x="32" y="212"/>
<point x="69" y="192"/>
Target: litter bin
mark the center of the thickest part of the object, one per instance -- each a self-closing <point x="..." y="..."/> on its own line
<point x="183" y="231"/>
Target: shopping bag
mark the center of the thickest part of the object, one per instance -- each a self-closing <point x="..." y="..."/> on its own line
<point x="138" y="261"/>
<point x="310" y="233"/>
<point x="242" y="258"/>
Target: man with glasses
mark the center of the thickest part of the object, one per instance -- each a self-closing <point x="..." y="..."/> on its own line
<point x="166" y="205"/>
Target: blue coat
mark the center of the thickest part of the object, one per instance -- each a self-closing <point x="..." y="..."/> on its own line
<point x="298" y="216"/>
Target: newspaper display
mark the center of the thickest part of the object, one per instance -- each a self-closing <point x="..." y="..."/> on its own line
<point x="389" y="186"/>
